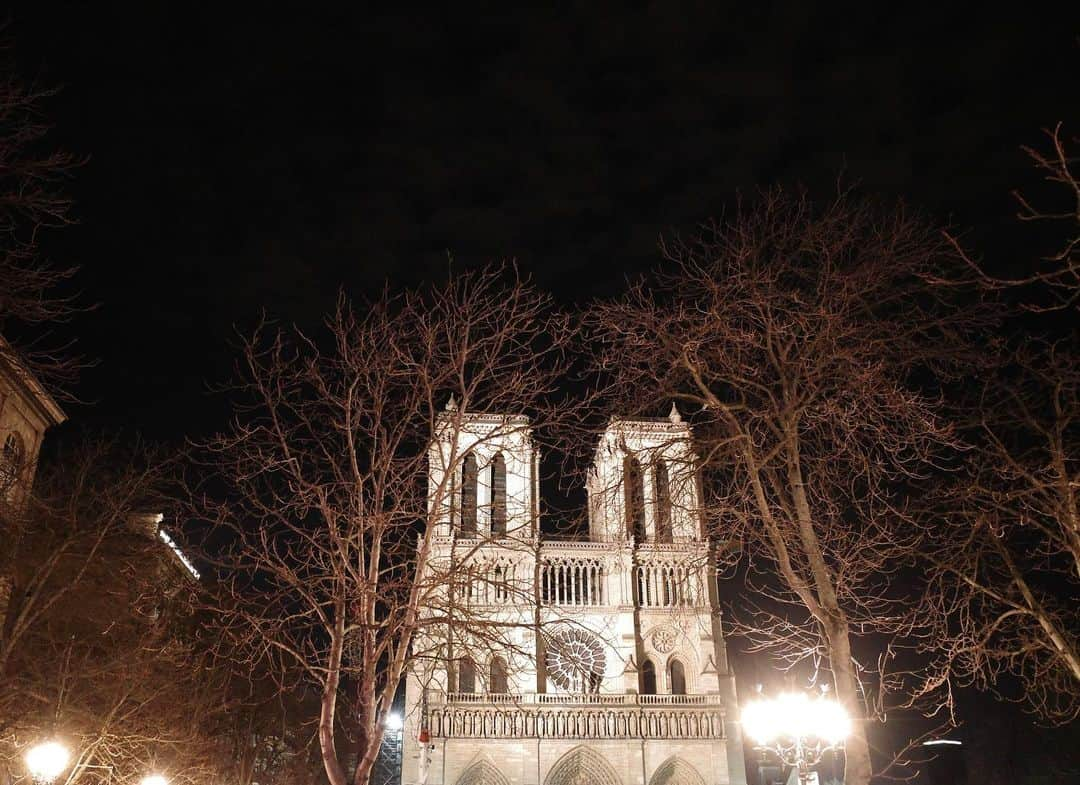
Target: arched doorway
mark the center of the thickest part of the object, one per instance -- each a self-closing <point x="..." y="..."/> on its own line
<point x="482" y="773"/>
<point x="677" y="677"/>
<point x="648" y="677"/>
<point x="676" y="771"/>
<point x="582" y="765"/>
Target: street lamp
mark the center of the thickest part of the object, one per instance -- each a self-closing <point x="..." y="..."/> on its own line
<point x="47" y="761"/>
<point x="394" y="722"/>
<point x="797" y="728"/>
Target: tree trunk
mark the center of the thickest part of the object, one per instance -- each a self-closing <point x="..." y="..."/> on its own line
<point x="857" y="769"/>
<point x="367" y="761"/>
<point x="328" y="709"/>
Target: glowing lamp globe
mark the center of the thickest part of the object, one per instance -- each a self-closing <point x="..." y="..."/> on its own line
<point x="47" y="761"/>
<point x="394" y="721"/>
<point x="154" y="779"/>
<point x="793" y="715"/>
<point x="832" y="724"/>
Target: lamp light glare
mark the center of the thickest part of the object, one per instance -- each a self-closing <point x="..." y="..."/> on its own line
<point x="833" y="723"/>
<point x="394" y="721"/>
<point x="46" y="761"/>
<point x="793" y="715"/>
<point x="154" y="779"/>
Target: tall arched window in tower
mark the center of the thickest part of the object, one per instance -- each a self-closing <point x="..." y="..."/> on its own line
<point x="634" y="487"/>
<point x="467" y="675"/>
<point x="11" y="460"/>
<point x="677" y="677"/>
<point x="663" y="502"/>
<point x="468" y="496"/>
<point x="648" y="677"/>
<point x="498" y="495"/>
<point x="498" y="682"/>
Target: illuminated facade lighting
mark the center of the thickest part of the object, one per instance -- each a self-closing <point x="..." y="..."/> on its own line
<point x="165" y="538"/>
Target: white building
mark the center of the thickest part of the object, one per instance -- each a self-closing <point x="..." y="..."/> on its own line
<point x="583" y="662"/>
<point x="27" y="410"/>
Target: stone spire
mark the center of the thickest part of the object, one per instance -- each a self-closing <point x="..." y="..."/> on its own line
<point x="451" y="404"/>
<point x="674" y="415"/>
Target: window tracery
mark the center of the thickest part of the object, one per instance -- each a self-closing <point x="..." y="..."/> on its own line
<point x="575" y="660"/>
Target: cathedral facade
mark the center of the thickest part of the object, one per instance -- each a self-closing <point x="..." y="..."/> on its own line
<point x="570" y="662"/>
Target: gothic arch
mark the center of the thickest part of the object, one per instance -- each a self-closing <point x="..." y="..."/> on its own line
<point x="677" y="682"/>
<point x="497" y="676"/>
<point x="634" y="492"/>
<point x="691" y="671"/>
<point x="662" y="495"/>
<point x="582" y="764"/>
<point x="498" y="495"/>
<point x="648" y="677"/>
<point x="482" y="773"/>
<point x="12" y="456"/>
<point x="676" y="771"/>
<point x="467" y="675"/>
<point x="469" y="478"/>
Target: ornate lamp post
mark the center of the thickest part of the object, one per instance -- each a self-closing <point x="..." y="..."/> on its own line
<point x="798" y="728"/>
<point x="47" y="761"/>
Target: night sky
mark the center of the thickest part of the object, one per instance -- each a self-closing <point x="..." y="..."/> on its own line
<point x="264" y="158"/>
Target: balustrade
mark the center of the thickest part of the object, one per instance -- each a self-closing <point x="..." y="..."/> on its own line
<point x="572" y="581"/>
<point x="667" y="584"/>
<point x="630" y="720"/>
<point x="580" y="699"/>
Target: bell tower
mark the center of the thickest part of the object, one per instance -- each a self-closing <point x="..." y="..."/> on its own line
<point x="482" y="475"/>
<point x="643" y="483"/>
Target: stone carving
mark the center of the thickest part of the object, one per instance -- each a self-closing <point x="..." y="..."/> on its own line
<point x="482" y="773"/>
<point x="582" y="766"/>
<point x="663" y="639"/>
<point x="575" y="660"/>
<point x="675" y="771"/>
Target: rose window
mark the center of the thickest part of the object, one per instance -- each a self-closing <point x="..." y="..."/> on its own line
<point x="575" y="660"/>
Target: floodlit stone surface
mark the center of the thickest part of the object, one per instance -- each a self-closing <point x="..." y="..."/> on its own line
<point x="612" y="666"/>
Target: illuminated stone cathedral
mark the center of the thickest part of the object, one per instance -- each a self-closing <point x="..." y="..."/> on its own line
<point x="595" y="661"/>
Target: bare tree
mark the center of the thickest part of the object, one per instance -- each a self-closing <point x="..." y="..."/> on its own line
<point x="99" y="643"/>
<point x="1058" y="275"/>
<point x="1005" y="564"/>
<point x="33" y="199"/>
<point x="1057" y="166"/>
<point x="791" y="333"/>
<point x="266" y="741"/>
<point x="318" y="495"/>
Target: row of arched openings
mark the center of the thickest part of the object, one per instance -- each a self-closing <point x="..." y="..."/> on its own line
<point x="634" y="488"/>
<point x="496" y="481"/>
<point x="676" y="677"/>
<point x="498" y="680"/>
